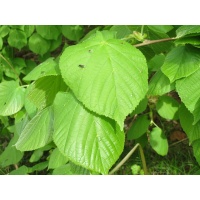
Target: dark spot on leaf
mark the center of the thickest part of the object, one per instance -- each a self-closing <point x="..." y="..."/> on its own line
<point x="90" y="51"/>
<point x="81" y="66"/>
<point x="4" y="103"/>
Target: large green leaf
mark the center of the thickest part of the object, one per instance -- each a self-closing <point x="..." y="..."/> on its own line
<point x="48" y="32"/>
<point x="181" y="62"/>
<point x="188" y="90"/>
<point x="57" y="159"/>
<point x="160" y="84"/>
<point x="186" y="120"/>
<point x="17" y="39"/>
<point x="4" y="30"/>
<point x="38" y="44"/>
<point x="11" y="98"/>
<point x="37" y="132"/>
<point x="187" y="30"/>
<point x="107" y="75"/>
<point x="44" y="90"/>
<point x="87" y="139"/>
<point x="158" y="141"/>
<point x="48" y="67"/>
<point x="10" y="155"/>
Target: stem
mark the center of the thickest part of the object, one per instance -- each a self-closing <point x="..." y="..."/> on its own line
<point x="128" y="156"/>
<point x="11" y="67"/>
<point x="148" y="42"/>
<point x="178" y="142"/>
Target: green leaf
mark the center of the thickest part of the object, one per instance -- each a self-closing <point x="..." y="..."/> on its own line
<point x="10" y="155"/>
<point x="121" y="30"/>
<point x="156" y="62"/>
<point x="188" y="40"/>
<point x="57" y="159"/>
<point x="186" y="120"/>
<point x="188" y="90"/>
<point x="29" y="29"/>
<point x="37" y="132"/>
<point x="167" y="107"/>
<point x="73" y="33"/>
<point x="180" y="62"/>
<point x="140" y="107"/>
<point x="187" y="30"/>
<point x="44" y="90"/>
<point x="158" y="141"/>
<point x="87" y="139"/>
<point x="17" y="39"/>
<point x="139" y="127"/>
<point x="39" y="167"/>
<point x="23" y="170"/>
<point x="11" y="98"/>
<point x="38" y="45"/>
<point x="56" y="43"/>
<point x="70" y="169"/>
<point x="36" y="156"/>
<point x="196" y="150"/>
<point x="160" y="84"/>
<point x="48" y="32"/>
<point x="4" y="30"/>
<point x="48" y="67"/>
<point x="108" y="76"/>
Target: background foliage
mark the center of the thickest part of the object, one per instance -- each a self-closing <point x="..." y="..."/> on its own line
<point x="76" y="99"/>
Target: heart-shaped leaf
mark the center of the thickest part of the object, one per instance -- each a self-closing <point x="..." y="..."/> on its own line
<point x="107" y="75"/>
<point x="87" y="139"/>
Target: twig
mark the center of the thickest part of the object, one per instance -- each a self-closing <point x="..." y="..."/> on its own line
<point x="128" y="156"/>
<point x="148" y="42"/>
<point x="178" y="142"/>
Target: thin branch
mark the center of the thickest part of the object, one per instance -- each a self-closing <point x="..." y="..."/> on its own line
<point x="148" y="42"/>
<point x="13" y="69"/>
<point x="128" y="156"/>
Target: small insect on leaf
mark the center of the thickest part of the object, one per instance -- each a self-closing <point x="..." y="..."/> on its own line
<point x="81" y="66"/>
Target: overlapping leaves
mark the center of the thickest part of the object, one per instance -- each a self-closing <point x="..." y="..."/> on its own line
<point x="108" y="76"/>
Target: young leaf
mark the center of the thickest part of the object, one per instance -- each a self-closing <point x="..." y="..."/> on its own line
<point x="44" y="90"/>
<point x="108" y="76"/>
<point x="4" y="30"/>
<point x="37" y="132"/>
<point x="38" y="45"/>
<point x="160" y="84"/>
<point x="29" y="29"/>
<point x="158" y="141"/>
<point x="23" y="170"/>
<point x="11" y="98"/>
<point x="72" y="32"/>
<point x="87" y="139"/>
<point x="167" y="107"/>
<point x="139" y="127"/>
<point x="48" y="67"/>
<point x="57" y="159"/>
<point x="17" y="39"/>
<point x="180" y="62"/>
<point x="48" y="32"/>
<point x="188" y="90"/>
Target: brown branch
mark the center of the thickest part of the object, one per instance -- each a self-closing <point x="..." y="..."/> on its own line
<point x="148" y="42"/>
